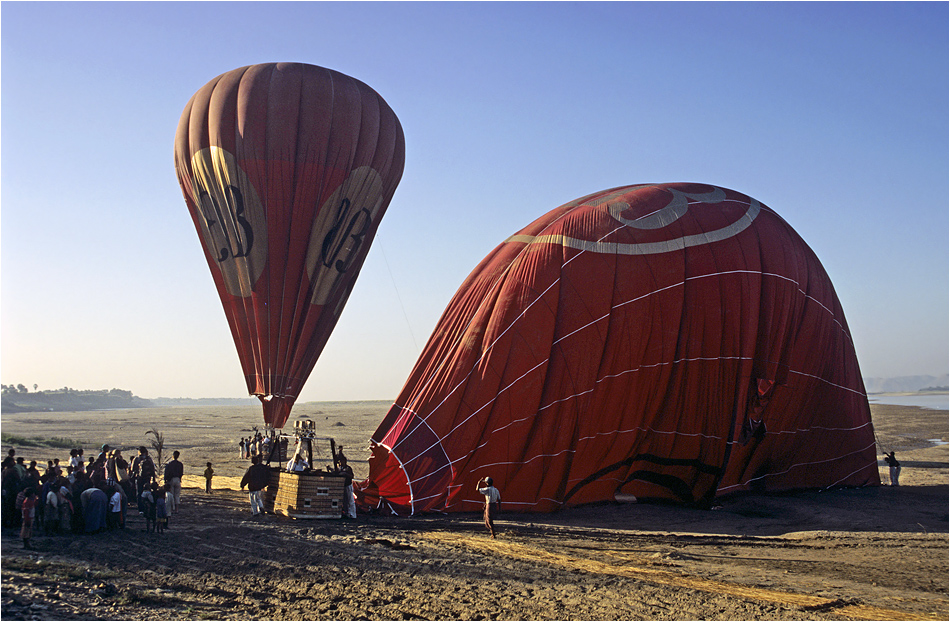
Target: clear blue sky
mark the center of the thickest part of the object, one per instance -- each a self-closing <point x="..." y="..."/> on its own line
<point x="834" y="115"/>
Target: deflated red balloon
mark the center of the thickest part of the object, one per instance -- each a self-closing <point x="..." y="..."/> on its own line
<point x="287" y="170"/>
<point x="673" y="341"/>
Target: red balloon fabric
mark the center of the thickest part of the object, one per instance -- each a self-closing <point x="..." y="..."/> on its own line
<point x="672" y="341"/>
<point x="287" y="170"/>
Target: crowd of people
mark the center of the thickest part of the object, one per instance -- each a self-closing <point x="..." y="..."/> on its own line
<point x="261" y="445"/>
<point x="87" y="496"/>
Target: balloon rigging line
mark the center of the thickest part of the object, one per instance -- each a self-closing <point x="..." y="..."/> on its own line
<point x="803" y="464"/>
<point x="412" y="335"/>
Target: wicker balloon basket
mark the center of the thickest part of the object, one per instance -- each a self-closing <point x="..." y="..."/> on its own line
<point x="305" y="495"/>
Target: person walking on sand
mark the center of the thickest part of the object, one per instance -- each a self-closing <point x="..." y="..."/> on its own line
<point x="492" y="502"/>
<point x="174" y="471"/>
<point x="895" y="468"/>
<point x="256" y="479"/>
<point x="209" y="473"/>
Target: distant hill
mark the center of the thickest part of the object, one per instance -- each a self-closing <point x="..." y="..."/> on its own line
<point x="907" y="384"/>
<point x="13" y="400"/>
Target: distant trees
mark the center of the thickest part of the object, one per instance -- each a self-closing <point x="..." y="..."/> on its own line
<point x="18" y="398"/>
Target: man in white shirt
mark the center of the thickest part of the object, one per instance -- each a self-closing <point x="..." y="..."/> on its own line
<point x="492" y="502"/>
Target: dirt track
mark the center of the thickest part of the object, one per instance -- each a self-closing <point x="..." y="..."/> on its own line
<point x="875" y="553"/>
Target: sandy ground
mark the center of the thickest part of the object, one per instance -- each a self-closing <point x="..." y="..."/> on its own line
<point x="873" y="553"/>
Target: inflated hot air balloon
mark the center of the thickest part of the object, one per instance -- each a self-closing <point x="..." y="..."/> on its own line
<point x="287" y="170"/>
<point x="671" y="341"/>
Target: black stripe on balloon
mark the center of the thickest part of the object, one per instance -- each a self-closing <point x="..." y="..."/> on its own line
<point x="675" y="485"/>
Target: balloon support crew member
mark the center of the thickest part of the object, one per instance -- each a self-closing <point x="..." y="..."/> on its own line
<point x="492" y="503"/>
<point x="349" y="502"/>
<point x="895" y="468"/>
<point x="256" y="479"/>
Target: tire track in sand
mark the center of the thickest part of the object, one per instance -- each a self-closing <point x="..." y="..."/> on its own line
<point x="638" y="568"/>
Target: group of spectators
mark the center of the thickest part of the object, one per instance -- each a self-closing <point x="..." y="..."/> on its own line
<point x="89" y="496"/>
<point x="260" y="445"/>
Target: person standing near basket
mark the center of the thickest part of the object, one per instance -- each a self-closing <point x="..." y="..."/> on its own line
<point x="256" y="479"/>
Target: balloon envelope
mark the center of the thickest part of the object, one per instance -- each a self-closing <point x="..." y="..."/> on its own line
<point x="287" y="170"/>
<point x="674" y="341"/>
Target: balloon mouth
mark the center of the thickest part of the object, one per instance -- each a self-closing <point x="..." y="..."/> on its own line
<point x="271" y="396"/>
<point x="411" y="475"/>
<point x="388" y="488"/>
<point x="277" y="408"/>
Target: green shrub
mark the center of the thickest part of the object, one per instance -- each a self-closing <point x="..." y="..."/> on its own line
<point x="38" y="441"/>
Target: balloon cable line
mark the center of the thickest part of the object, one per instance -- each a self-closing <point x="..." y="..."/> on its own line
<point x="879" y="443"/>
<point x="379" y="243"/>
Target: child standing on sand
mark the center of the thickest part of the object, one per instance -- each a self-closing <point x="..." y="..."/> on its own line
<point x="148" y="508"/>
<point x="29" y="513"/>
<point x="114" y="519"/>
<point x="209" y="473"/>
<point x="161" y="512"/>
